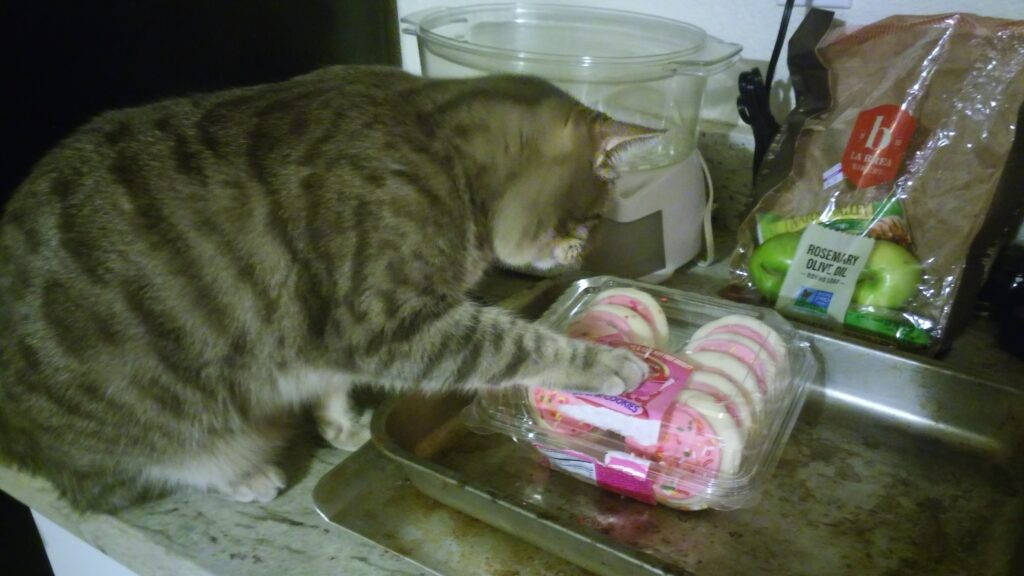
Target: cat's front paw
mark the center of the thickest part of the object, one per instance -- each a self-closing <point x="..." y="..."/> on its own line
<point x="349" y="434"/>
<point x="616" y="371"/>
<point x="340" y="424"/>
<point x="261" y="484"/>
<point x="607" y="371"/>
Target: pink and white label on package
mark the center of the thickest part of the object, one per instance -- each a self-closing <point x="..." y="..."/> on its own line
<point x="579" y="465"/>
<point x="638" y="416"/>
<point x="628" y="475"/>
<point x="620" y="472"/>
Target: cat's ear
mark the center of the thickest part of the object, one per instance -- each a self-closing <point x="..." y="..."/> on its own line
<point x="614" y="136"/>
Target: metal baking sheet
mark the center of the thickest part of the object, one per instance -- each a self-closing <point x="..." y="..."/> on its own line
<point x="896" y="466"/>
<point x="370" y="495"/>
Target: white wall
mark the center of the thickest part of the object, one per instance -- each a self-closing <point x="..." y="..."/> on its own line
<point x="751" y="23"/>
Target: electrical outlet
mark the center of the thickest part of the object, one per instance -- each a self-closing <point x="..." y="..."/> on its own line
<point x="819" y="3"/>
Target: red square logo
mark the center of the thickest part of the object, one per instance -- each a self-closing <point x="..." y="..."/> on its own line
<point x="877" y="144"/>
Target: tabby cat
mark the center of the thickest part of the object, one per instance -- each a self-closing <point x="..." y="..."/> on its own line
<point x="178" y="281"/>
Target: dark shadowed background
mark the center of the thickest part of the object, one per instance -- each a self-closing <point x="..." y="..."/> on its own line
<point x="65" y="61"/>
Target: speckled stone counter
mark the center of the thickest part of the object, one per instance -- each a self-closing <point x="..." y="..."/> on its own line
<point x="193" y="534"/>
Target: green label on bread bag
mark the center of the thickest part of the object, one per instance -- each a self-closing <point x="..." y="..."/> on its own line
<point x="891" y="326"/>
<point x="884" y="220"/>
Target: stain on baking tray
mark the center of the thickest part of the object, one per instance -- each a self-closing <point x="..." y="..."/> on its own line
<point x="884" y="521"/>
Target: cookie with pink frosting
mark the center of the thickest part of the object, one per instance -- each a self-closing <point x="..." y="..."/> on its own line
<point x="749" y="327"/>
<point x="698" y="436"/>
<point x="612" y="324"/>
<point x="744" y="349"/>
<point x="736" y="401"/>
<point x="643" y="304"/>
<point x="732" y="368"/>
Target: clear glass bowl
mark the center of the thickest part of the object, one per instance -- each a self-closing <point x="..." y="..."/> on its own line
<point x="634" y="67"/>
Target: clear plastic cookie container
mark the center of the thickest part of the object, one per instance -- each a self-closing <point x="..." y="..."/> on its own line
<point x="704" y="430"/>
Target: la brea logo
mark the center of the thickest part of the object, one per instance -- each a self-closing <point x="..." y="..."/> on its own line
<point x="878" y="142"/>
<point x="879" y="132"/>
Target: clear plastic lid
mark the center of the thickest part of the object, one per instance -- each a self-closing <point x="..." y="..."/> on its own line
<point x="569" y="43"/>
<point x="704" y="430"/>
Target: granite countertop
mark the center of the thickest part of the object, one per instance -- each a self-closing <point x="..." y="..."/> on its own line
<point x="195" y="534"/>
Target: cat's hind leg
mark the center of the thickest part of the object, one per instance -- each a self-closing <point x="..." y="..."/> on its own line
<point x="239" y="465"/>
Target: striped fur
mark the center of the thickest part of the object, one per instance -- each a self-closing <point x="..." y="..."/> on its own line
<point x="178" y="280"/>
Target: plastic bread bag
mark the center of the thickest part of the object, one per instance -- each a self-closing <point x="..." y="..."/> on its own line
<point x="888" y="190"/>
